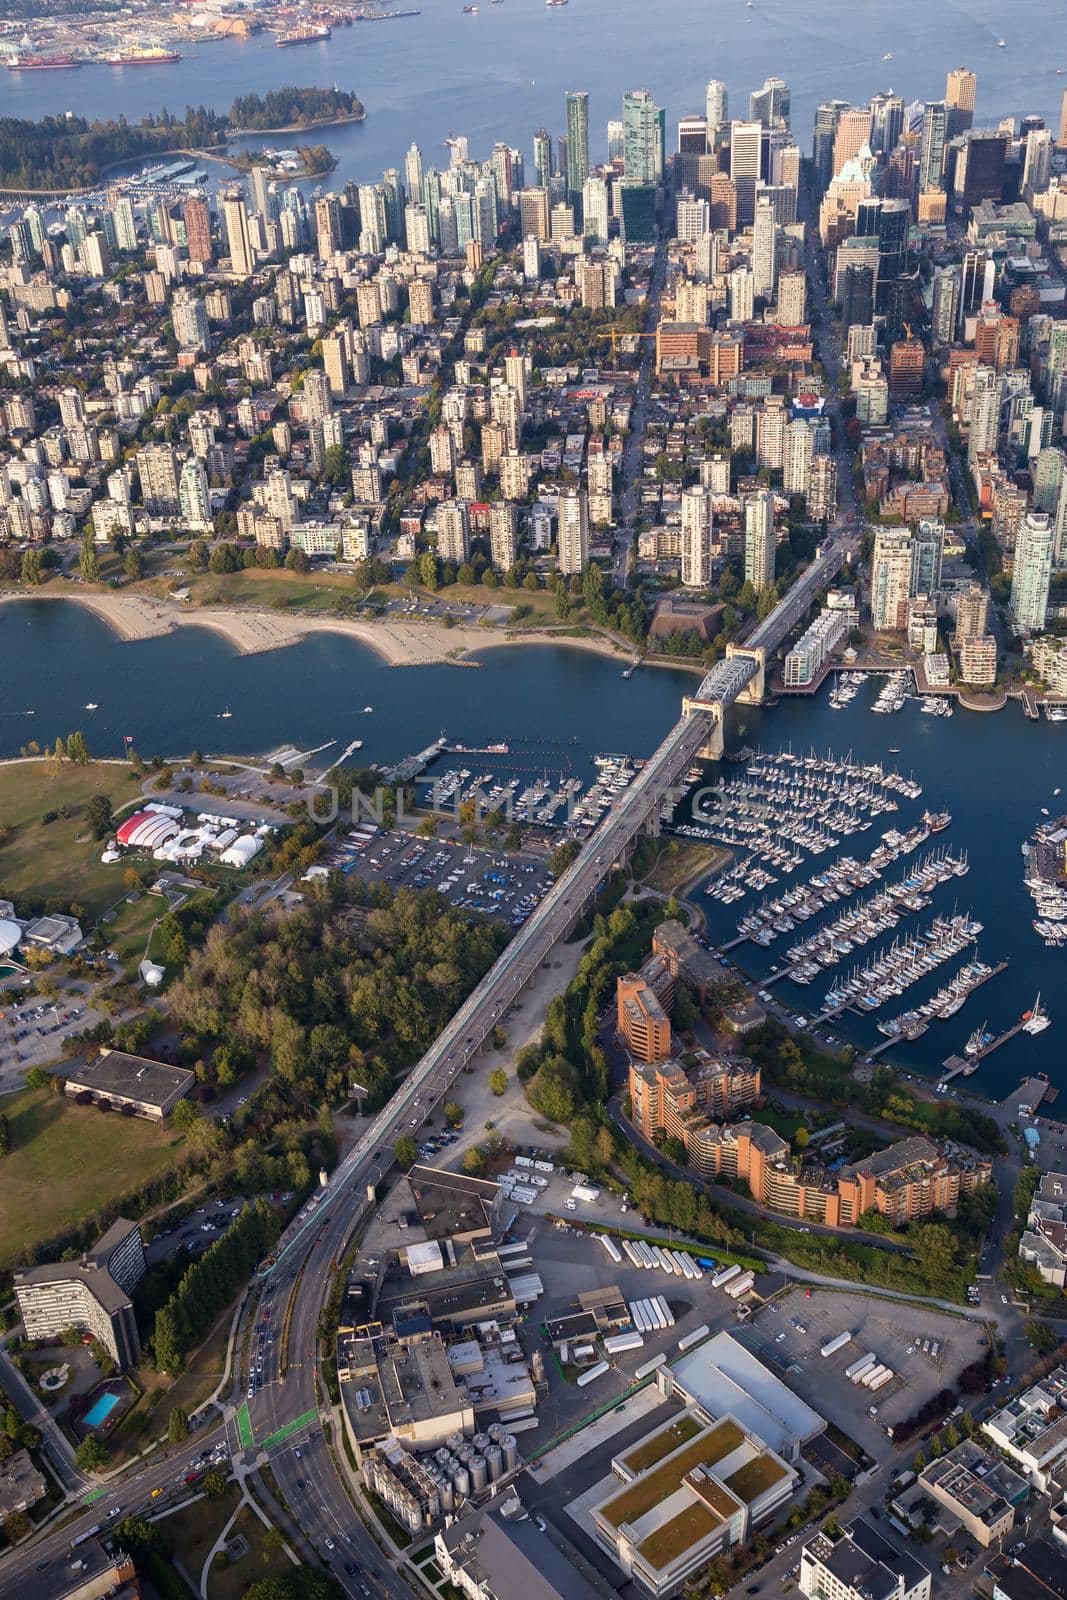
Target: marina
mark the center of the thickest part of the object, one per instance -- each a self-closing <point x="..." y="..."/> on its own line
<point x="982" y="1043"/>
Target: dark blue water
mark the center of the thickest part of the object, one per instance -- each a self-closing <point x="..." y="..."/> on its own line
<point x="994" y="773"/>
<point x="558" y="706"/>
<point x="503" y="73"/>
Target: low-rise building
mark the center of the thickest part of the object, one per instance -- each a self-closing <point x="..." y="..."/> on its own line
<point x="1044" y="1241"/>
<point x="1032" y="1428"/>
<point x="21" y="1485"/>
<point x="860" y="1565"/>
<point x="93" y="1292"/>
<point x="151" y="1088"/>
<point x="977" y="1489"/>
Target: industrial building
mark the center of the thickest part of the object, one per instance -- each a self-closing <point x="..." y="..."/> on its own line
<point x="498" y="1550"/>
<point x="722" y="1377"/>
<point x="93" y="1292"/>
<point x="418" y="1489"/>
<point x="690" y="1490"/>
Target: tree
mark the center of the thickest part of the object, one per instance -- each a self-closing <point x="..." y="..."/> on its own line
<point x="801" y="1138"/>
<point x="134" y="565"/>
<point x="185" y="1115"/>
<point x="498" y="1081"/>
<point x="17" y="1525"/>
<point x="215" y="1485"/>
<point x="91" y="1455"/>
<point x="405" y="1152"/>
<point x="297" y="561"/>
<point x="177" y="1425"/>
<point x="31" y="567"/>
<point x="474" y="1162"/>
<point x="90" y="565"/>
<point x="197" y="554"/>
<point x="453" y="1113"/>
<point x="1041" y="1337"/>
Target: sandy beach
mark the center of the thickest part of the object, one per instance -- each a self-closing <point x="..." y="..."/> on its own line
<point x="400" y="644"/>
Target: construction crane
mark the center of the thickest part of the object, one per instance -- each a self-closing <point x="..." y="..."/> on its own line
<point x="616" y="334"/>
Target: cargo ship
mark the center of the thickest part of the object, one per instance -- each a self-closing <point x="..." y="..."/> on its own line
<point x="142" y="56"/>
<point x="44" y="63"/>
<point x="308" y="33"/>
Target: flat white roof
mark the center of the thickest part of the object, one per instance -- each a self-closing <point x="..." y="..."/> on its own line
<point x="726" y="1379"/>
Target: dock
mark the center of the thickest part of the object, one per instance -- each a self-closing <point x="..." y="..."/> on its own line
<point x="963" y="1066"/>
<point x="411" y="766"/>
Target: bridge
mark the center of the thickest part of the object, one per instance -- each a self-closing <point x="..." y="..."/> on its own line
<point x="742" y="674"/>
<point x="699" y="731"/>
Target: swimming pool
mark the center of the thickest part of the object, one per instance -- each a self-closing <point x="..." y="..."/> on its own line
<point x="100" y="1411"/>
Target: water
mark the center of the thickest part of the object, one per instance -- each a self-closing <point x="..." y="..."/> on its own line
<point x="100" y="1410"/>
<point x="993" y="772"/>
<point x="558" y="706"/>
<point x="503" y="73"/>
<point x="169" y="694"/>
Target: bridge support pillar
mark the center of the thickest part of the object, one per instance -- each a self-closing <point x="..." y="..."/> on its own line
<point x="712" y="749"/>
<point x="754" y="691"/>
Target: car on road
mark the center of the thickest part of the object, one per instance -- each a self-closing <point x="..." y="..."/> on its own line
<point x="329" y="1544"/>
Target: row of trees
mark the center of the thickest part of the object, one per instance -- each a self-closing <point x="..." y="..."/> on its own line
<point x="207" y="1285"/>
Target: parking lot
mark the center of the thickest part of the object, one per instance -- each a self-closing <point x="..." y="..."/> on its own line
<point x="789" y="1335"/>
<point x="482" y="880"/>
<point x="197" y="1233"/>
<point x="33" y="1028"/>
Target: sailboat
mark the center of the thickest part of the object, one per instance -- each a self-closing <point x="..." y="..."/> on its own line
<point x="1037" y="1020"/>
<point x="226" y="713"/>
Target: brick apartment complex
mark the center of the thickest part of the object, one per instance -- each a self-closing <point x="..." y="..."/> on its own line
<point x="911" y="1178"/>
<point x="643" y="1003"/>
<point x="676" y="1099"/>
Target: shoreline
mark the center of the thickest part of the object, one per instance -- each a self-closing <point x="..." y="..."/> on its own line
<point x="252" y="632"/>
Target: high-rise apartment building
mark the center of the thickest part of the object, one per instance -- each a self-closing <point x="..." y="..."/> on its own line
<point x="1032" y="572"/>
<point x="453" y="532"/>
<point x="927" y="556"/>
<point x="197" y="219"/>
<point x="759" y="540"/>
<point x="696" y="537"/>
<point x="1061" y="142"/>
<point x="573" y="531"/>
<point x="891" y="579"/>
<point x="798" y="454"/>
<point x="502" y="539"/>
<point x="764" y="249"/>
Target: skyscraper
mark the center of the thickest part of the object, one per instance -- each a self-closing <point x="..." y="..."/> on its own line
<point x="1061" y="142"/>
<point x="759" y="540"/>
<point x="542" y="158"/>
<point x="764" y="249"/>
<point x="413" y="174"/>
<point x="960" y="86"/>
<point x="644" y="128"/>
<point x="887" y="122"/>
<point x="746" y="149"/>
<point x="770" y="105"/>
<point x="696" y="537"/>
<point x="932" y="155"/>
<point x="238" y="238"/>
<point x="577" y="145"/>
<point x="827" y="118"/>
<point x="1032" y="572"/>
<point x="716" y="108"/>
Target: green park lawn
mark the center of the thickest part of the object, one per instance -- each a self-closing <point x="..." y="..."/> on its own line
<point x="67" y="1161"/>
<point x="57" y="861"/>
